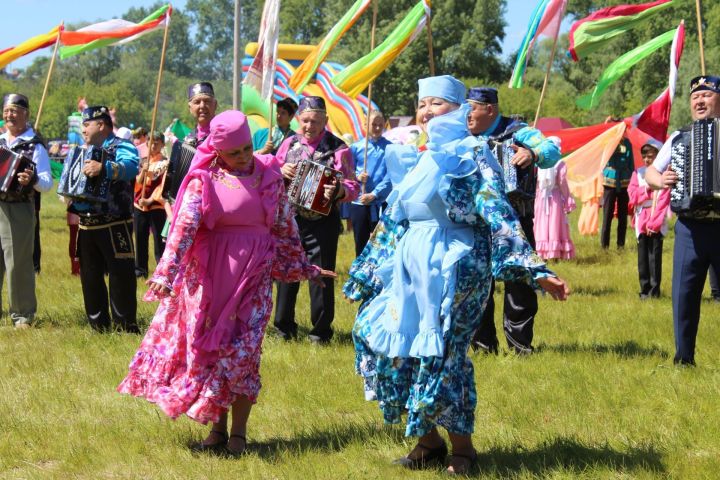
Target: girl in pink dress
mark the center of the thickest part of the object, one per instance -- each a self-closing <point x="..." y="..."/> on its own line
<point x="552" y="204"/>
<point x="233" y="234"/>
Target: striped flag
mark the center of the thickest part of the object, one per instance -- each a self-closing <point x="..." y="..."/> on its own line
<point x="545" y="20"/>
<point x="620" y="66"/>
<point x="261" y="74"/>
<point x="654" y="120"/>
<point x="111" y="32"/>
<point x="307" y="69"/>
<point x="598" y="29"/>
<point x="357" y="76"/>
<point x="28" y="46"/>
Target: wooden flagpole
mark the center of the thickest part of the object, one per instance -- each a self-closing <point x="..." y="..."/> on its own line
<point x="547" y="76"/>
<point x="698" y="10"/>
<point x="237" y="68"/>
<point x="369" y="95"/>
<point x="47" y="80"/>
<point x="157" y="101"/>
<point x="430" y="45"/>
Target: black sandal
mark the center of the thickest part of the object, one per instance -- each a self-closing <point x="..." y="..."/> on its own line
<point x="432" y="456"/>
<point x="233" y="453"/>
<point x="212" y="447"/>
<point x="471" y="461"/>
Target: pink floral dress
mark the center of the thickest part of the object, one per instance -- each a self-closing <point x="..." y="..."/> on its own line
<point x="233" y="235"/>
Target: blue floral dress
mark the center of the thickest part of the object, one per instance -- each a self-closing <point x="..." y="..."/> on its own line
<point x="424" y="278"/>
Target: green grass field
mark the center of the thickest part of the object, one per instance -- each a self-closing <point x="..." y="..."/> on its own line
<point x="600" y="399"/>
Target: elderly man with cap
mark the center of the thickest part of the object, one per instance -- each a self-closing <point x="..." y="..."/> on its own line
<point x="696" y="232"/>
<point x="531" y="149"/>
<point x="263" y="142"/>
<point x="17" y="210"/>
<point x="202" y="104"/>
<point x="105" y="243"/>
<point x="319" y="233"/>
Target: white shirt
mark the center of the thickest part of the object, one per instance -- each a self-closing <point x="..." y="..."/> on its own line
<point x="663" y="157"/>
<point x="40" y="159"/>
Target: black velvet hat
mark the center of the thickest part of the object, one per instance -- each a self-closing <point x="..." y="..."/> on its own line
<point x="483" y="95"/>
<point x="97" y="112"/>
<point x="201" y="88"/>
<point x="16" y="100"/>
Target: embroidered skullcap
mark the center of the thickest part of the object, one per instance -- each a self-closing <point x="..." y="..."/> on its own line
<point x="312" y="104"/>
<point x="200" y="88"/>
<point x="97" y="112"/>
<point x="16" y="100"/>
<point x="483" y="95"/>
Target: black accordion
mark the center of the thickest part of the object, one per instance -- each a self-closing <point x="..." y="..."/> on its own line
<point x="695" y="157"/>
<point x="519" y="182"/>
<point x="74" y="184"/>
<point x="12" y="163"/>
<point x="181" y="157"/>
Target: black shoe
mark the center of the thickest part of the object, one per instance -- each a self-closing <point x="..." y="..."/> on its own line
<point x="487" y="349"/>
<point x="276" y="332"/>
<point x="315" y="340"/>
<point x="431" y="457"/>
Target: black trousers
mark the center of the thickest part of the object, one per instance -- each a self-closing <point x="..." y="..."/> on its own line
<point x="611" y="196"/>
<point x="364" y="219"/>
<point x="36" y="246"/>
<point x="714" y="284"/>
<point x="320" y="241"/>
<point x="144" y="222"/>
<point x="650" y="264"/>
<point x="695" y="250"/>
<point x="519" y="310"/>
<point x="100" y="252"/>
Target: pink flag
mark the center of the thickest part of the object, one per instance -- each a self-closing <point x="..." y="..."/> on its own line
<point x="261" y="73"/>
<point x="654" y="120"/>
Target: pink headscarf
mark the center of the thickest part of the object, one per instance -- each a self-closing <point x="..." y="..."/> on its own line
<point x="228" y="130"/>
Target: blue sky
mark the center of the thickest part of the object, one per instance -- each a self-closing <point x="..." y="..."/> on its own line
<point x="43" y="15"/>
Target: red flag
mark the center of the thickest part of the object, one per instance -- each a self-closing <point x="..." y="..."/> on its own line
<point x="654" y="120"/>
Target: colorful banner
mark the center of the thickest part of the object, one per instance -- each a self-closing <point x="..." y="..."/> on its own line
<point x="28" y="46"/>
<point x="620" y="66"/>
<point x="307" y="69"/>
<point x="598" y="29"/>
<point x="357" y="76"/>
<point x="655" y="119"/>
<point x="545" y="20"/>
<point x="261" y="74"/>
<point x="111" y="32"/>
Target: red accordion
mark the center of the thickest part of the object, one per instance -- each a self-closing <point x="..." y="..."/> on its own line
<point x="12" y="163"/>
<point x="307" y="189"/>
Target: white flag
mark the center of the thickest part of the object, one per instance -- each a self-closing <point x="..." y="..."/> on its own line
<point x="261" y="73"/>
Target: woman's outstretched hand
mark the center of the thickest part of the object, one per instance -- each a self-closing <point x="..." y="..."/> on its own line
<point x="556" y="287"/>
<point x="158" y="290"/>
<point x="323" y="274"/>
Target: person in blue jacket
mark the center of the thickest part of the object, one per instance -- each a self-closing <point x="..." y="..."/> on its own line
<point x="365" y="211"/>
<point x="531" y="149"/>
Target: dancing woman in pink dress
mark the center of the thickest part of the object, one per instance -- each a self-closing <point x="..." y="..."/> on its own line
<point x="233" y="233"/>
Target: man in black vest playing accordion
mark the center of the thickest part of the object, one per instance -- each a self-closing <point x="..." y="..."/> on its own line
<point x="696" y="231"/>
<point x="319" y="233"/>
<point x="17" y="209"/>
<point x="202" y="105"/>
<point x="105" y="243"/>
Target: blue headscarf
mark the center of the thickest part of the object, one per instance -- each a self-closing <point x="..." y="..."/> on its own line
<point x="444" y="86"/>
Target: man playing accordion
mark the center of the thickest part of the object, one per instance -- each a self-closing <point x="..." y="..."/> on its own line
<point x="17" y="209"/>
<point x="696" y="236"/>
<point x="105" y="243"/>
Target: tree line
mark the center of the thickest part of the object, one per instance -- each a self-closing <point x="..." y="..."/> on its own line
<point x="467" y="43"/>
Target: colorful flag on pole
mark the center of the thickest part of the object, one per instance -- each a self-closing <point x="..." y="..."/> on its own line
<point x="654" y="120"/>
<point x="545" y="20"/>
<point x="28" y="46"/>
<point x="620" y="66"/>
<point x="307" y="69"/>
<point x="261" y="74"/>
<point x="357" y="76"/>
<point x="596" y="30"/>
<point x="111" y="32"/>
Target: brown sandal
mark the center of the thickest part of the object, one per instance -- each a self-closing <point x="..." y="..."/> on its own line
<point x="432" y="456"/>
<point x="470" y="461"/>
<point x="212" y="447"/>
<point x="234" y="453"/>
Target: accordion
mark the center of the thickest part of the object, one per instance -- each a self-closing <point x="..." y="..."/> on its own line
<point x="519" y="182"/>
<point x="12" y="163"/>
<point x="307" y="189"/>
<point x="181" y="157"/>
<point x="74" y="184"/>
<point x="695" y="157"/>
